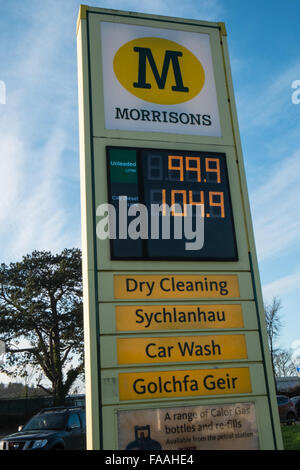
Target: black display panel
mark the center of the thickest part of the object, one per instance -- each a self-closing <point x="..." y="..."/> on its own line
<point x="163" y="182"/>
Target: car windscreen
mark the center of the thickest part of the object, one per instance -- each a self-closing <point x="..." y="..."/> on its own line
<point x="46" y="422"/>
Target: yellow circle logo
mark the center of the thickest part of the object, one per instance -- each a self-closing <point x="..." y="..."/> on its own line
<point x="159" y="71"/>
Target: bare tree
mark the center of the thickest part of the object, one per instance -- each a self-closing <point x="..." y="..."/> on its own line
<point x="274" y="324"/>
<point x="283" y="363"/>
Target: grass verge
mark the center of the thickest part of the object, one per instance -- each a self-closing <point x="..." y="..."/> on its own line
<point x="291" y="437"/>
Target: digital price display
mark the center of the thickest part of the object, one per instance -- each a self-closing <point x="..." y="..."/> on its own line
<point x="170" y="184"/>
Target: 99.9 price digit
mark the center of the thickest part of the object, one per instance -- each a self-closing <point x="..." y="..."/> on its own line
<point x="188" y="170"/>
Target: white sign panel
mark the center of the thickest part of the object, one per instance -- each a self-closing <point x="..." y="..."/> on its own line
<point x="208" y="427"/>
<point x="158" y="80"/>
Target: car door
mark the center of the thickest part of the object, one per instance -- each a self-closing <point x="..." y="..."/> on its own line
<point x="74" y="438"/>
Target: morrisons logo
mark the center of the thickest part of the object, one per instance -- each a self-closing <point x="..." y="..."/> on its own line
<point x="159" y="71"/>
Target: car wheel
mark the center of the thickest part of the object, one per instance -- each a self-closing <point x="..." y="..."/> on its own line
<point x="291" y="418"/>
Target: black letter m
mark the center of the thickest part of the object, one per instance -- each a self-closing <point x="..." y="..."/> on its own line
<point x="170" y="56"/>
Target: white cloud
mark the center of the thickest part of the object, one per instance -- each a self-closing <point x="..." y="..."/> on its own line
<point x="295" y="349"/>
<point x="282" y="286"/>
<point x="275" y="207"/>
<point x="268" y="104"/>
<point x="38" y="131"/>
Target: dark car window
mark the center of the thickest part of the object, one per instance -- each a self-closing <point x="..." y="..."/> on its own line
<point x="45" y="421"/>
<point x="282" y="400"/>
<point x="74" y="421"/>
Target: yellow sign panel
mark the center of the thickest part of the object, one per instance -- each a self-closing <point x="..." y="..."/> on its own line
<point x="157" y="286"/>
<point x="181" y="349"/>
<point x="176" y="317"/>
<point x="184" y="383"/>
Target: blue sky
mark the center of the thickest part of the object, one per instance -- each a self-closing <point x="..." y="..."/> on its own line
<point x="39" y="163"/>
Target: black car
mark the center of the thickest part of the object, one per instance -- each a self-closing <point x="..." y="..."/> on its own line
<point x="61" y="428"/>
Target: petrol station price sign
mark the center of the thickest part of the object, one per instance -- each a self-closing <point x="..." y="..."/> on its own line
<point x="158" y="178"/>
<point x="176" y="350"/>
